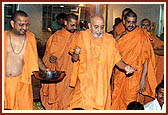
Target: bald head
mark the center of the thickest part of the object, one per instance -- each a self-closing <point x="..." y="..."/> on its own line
<point x="96" y="17"/>
<point x="96" y="26"/>
<point x="146" y="24"/>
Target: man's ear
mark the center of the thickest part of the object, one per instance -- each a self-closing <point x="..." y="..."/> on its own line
<point x="12" y="23"/>
<point x="89" y="25"/>
<point x="65" y="22"/>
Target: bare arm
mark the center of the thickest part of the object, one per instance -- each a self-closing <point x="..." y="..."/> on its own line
<point x="41" y="65"/>
<point x="143" y="77"/>
<point x="127" y="68"/>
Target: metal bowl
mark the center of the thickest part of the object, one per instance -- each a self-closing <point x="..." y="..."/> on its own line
<point x="49" y="75"/>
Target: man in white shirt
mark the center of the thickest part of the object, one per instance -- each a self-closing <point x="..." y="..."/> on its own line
<point x="158" y="103"/>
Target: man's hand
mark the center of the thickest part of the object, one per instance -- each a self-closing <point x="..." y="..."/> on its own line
<point x="47" y="69"/>
<point x="75" y="56"/>
<point x="53" y="59"/>
<point x="129" y="69"/>
<point x="77" y="50"/>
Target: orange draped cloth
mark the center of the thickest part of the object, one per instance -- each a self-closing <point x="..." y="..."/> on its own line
<point x="135" y="48"/>
<point x="120" y="28"/>
<point x="159" y="59"/>
<point x="91" y="75"/>
<point x="18" y="93"/>
<point x="56" y="96"/>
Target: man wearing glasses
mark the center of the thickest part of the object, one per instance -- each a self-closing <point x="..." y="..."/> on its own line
<point x="20" y="60"/>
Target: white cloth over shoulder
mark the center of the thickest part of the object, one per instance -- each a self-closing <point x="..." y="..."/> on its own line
<point x="154" y="105"/>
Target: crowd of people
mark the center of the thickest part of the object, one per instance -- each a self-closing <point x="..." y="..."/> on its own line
<point x="119" y="70"/>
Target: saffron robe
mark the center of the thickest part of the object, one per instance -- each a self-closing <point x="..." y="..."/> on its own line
<point x="91" y="75"/>
<point x="135" y="48"/>
<point x="159" y="59"/>
<point x="57" y="96"/>
<point x="18" y="93"/>
<point x="119" y="28"/>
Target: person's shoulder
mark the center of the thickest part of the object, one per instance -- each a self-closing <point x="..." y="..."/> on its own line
<point x="30" y="33"/>
<point x="85" y="31"/>
<point x="155" y="37"/>
<point x="142" y="34"/>
<point x="119" y="24"/>
<point x="6" y="32"/>
<point x="58" y="32"/>
<point x="109" y="36"/>
<point x="109" y="39"/>
<point x="148" y="106"/>
<point x="31" y="37"/>
<point x="139" y="29"/>
<point x="151" y="105"/>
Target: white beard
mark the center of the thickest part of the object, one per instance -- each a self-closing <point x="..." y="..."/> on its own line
<point x="97" y="36"/>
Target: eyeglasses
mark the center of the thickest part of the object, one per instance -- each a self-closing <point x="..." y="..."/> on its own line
<point x="22" y="24"/>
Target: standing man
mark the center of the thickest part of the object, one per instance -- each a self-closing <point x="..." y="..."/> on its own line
<point x="136" y="49"/>
<point x="94" y="54"/>
<point x="158" y="47"/>
<point x="57" y="96"/>
<point x="119" y="29"/>
<point x="21" y="59"/>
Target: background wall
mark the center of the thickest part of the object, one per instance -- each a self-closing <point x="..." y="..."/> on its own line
<point x="151" y="11"/>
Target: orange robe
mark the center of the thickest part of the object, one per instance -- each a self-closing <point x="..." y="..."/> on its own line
<point x="91" y="75"/>
<point x="120" y="28"/>
<point x="18" y="90"/>
<point x="57" y="96"/>
<point x="159" y="59"/>
<point x="135" y="48"/>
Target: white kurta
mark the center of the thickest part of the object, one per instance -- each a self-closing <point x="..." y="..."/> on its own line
<point x="154" y="105"/>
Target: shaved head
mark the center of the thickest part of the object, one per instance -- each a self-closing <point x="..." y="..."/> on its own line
<point x="96" y="17"/>
<point x="146" y="24"/>
<point x="96" y="26"/>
